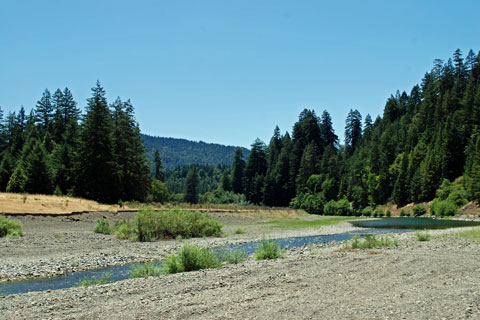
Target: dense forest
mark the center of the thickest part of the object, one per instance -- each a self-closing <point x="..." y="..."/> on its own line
<point x="55" y="149"/>
<point x="180" y="152"/>
<point x="425" y="146"/>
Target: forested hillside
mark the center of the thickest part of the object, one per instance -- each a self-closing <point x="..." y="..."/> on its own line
<point x="180" y="152"/>
<point x="54" y="149"/>
<point x="425" y="146"/>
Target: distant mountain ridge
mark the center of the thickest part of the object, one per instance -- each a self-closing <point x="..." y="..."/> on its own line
<point x="179" y="152"/>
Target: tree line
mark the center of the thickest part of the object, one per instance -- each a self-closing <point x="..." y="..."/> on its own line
<point x="425" y="140"/>
<point x="56" y="150"/>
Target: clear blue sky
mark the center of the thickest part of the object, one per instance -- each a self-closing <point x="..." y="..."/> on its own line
<point x="228" y="71"/>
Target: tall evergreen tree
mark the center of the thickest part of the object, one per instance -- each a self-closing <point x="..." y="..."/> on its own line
<point x="353" y="130"/>
<point x="191" y="186"/>
<point x="328" y="136"/>
<point x="97" y="172"/>
<point x="238" y="175"/>
<point x="158" y="171"/>
<point x="255" y="172"/>
<point x="44" y="111"/>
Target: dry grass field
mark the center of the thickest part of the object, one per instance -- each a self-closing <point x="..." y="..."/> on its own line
<point x="14" y="203"/>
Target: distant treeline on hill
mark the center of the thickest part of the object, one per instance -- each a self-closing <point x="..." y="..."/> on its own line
<point x="180" y="152"/>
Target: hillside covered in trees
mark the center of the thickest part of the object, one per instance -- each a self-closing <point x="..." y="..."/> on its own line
<point x="54" y="149"/>
<point x="425" y="146"/>
<point x="180" y="152"/>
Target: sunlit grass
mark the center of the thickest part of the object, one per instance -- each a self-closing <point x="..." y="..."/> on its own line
<point x="298" y="223"/>
<point x="473" y="234"/>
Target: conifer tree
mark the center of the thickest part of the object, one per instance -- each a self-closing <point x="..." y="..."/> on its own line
<point x="158" y="172"/>
<point x="353" y="130"/>
<point x="191" y="186"/>
<point x="97" y="172"/>
<point x="238" y="175"/>
<point x="38" y="171"/>
<point x="44" y="111"/>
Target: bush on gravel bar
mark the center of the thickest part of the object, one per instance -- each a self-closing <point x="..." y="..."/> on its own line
<point x="103" y="226"/>
<point x="150" y="225"/>
<point x="268" y="250"/>
<point x="10" y="228"/>
<point x="191" y="258"/>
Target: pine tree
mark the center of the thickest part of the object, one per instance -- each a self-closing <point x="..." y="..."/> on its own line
<point x="255" y="171"/>
<point x="191" y="186"/>
<point x="158" y="172"/>
<point x="400" y="192"/>
<point x="328" y="136"/>
<point x="238" y="176"/>
<point x="97" y="175"/>
<point x="38" y="171"/>
<point x="308" y="165"/>
<point x="18" y="179"/>
<point x="129" y="153"/>
<point x="226" y="182"/>
<point x="44" y="111"/>
<point x="6" y="170"/>
<point x="353" y="130"/>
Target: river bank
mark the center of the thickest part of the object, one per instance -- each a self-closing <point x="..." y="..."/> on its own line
<point x="437" y="279"/>
<point x="58" y="245"/>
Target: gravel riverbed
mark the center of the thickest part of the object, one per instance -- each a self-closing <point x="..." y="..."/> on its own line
<point x="437" y="279"/>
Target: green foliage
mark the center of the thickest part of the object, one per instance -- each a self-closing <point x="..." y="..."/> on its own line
<point x="419" y="210"/>
<point x="267" y="250"/>
<point x="158" y="192"/>
<point x="18" y="180"/>
<point x="473" y="234"/>
<point x="10" y="228"/>
<point x="87" y="282"/>
<point x="102" y="226"/>
<point x="239" y="231"/>
<point x="126" y="230"/>
<point x="232" y="256"/>
<point x="144" y="270"/>
<point x="367" y="212"/>
<point x="443" y="208"/>
<point x="191" y="186"/>
<point x="422" y="236"/>
<point x="297" y="223"/>
<point x="370" y="241"/>
<point x="150" y="225"/>
<point x="191" y="258"/>
<point x="180" y="152"/>
<point x="338" y="208"/>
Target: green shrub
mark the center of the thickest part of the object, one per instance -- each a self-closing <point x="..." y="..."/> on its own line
<point x="10" y="228"/>
<point x="126" y="229"/>
<point x="419" y="210"/>
<point x="378" y="213"/>
<point x="367" y="211"/>
<point x="338" y="208"/>
<point x="191" y="258"/>
<point x="267" y="250"/>
<point x="388" y="213"/>
<point x="144" y="270"/>
<point x="239" y="231"/>
<point x="158" y="192"/>
<point x="150" y="225"/>
<point x="422" y="236"/>
<point x="443" y="208"/>
<point x="232" y="257"/>
<point x="370" y="241"/>
<point x="402" y="213"/>
<point x="86" y="282"/>
<point x="103" y="226"/>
